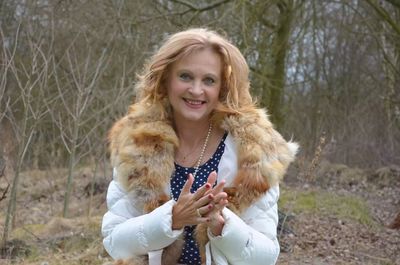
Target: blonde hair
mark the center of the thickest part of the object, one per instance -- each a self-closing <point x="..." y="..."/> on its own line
<point x="234" y="96"/>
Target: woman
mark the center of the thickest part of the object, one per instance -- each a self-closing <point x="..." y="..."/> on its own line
<point x="196" y="164"/>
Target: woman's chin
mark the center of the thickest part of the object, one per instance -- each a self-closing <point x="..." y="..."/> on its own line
<point x="191" y="116"/>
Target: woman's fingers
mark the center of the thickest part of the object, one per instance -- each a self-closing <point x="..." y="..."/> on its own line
<point x="220" y="196"/>
<point x="220" y="205"/>
<point x="205" y="194"/>
<point x="220" y="186"/>
<point x="198" y="207"/>
<point x="201" y="206"/>
<point x="212" y="178"/>
<point x="203" y="211"/>
<point x="188" y="184"/>
<point x="201" y="191"/>
<point x="213" y="206"/>
<point x="207" y="199"/>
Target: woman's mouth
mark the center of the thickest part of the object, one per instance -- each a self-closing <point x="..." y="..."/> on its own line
<point x="194" y="102"/>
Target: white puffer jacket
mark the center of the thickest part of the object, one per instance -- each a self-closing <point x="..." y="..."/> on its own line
<point x="246" y="239"/>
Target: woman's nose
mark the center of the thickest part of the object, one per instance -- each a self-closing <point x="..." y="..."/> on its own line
<point x="196" y="88"/>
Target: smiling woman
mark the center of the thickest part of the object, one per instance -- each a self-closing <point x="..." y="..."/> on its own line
<point x="193" y="86"/>
<point x="196" y="163"/>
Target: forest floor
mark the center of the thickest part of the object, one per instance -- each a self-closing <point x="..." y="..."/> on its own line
<point x="340" y="215"/>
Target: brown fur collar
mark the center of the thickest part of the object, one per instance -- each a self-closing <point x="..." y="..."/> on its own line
<point x="143" y="143"/>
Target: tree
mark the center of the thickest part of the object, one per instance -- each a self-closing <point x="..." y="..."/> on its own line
<point x="280" y="47"/>
<point x="389" y="40"/>
<point x="76" y="96"/>
<point x="29" y="79"/>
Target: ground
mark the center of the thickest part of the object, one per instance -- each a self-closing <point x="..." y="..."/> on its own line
<point x="336" y="215"/>
<point x="341" y="217"/>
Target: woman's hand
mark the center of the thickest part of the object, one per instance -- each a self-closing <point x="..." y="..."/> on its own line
<point x="190" y="207"/>
<point x="216" y="221"/>
<point x="203" y="206"/>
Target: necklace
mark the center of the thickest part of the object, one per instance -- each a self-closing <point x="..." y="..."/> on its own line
<point x="202" y="151"/>
<point x="185" y="156"/>
<point x="196" y="169"/>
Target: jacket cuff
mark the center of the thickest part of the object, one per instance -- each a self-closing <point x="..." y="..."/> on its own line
<point x="242" y="244"/>
<point x="142" y="234"/>
<point x="232" y="232"/>
<point x="159" y="222"/>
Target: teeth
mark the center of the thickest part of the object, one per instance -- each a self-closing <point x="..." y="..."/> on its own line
<point x="194" y="102"/>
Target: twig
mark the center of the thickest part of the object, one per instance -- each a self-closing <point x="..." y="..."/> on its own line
<point x="2" y="174"/>
<point x="30" y="232"/>
<point x="2" y="170"/>
<point x="200" y="9"/>
<point x="4" y="195"/>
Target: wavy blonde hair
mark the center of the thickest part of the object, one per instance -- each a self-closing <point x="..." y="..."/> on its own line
<point x="234" y="96"/>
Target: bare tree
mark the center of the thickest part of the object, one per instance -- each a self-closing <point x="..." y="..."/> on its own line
<point x="389" y="40"/>
<point x="76" y="94"/>
<point x="30" y="79"/>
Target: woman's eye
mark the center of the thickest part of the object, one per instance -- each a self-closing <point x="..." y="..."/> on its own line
<point x="209" y="81"/>
<point x="184" y="77"/>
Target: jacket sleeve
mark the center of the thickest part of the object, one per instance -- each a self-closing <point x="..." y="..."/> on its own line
<point x="251" y="238"/>
<point x="129" y="233"/>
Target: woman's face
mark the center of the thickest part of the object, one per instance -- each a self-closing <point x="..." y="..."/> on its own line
<point x="193" y="85"/>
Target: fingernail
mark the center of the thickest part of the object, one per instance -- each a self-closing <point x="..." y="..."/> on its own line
<point x="210" y="206"/>
<point x="210" y="196"/>
<point x="208" y="186"/>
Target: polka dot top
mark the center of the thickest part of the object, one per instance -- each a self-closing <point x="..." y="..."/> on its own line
<point x="190" y="251"/>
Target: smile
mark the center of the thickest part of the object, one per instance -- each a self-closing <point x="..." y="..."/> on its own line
<point x="194" y="102"/>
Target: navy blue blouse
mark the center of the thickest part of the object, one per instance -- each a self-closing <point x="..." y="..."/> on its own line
<point x="190" y="251"/>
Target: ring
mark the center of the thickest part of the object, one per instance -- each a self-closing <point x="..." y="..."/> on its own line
<point x="198" y="213"/>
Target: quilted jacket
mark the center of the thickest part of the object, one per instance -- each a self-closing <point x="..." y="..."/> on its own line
<point x="139" y="217"/>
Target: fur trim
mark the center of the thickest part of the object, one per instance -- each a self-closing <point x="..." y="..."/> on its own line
<point x="143" y="144"/>
<point x="169" y="256"/>
<point x="142" y="151"/>
<point x="263" y="156"/>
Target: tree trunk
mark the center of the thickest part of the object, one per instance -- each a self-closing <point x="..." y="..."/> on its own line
<point x="279" y="52"/>
<point x="7" y="148"/>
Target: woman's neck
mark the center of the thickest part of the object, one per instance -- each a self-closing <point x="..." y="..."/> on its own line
<point x="191" y="134"/>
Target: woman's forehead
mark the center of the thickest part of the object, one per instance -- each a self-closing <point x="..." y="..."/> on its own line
<point x="202" y="59"/>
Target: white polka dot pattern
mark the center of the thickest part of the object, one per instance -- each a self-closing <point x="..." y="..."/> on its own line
<point x="190" y="251"/>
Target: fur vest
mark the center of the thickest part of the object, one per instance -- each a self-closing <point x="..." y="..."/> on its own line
<point x="143" y="144"/>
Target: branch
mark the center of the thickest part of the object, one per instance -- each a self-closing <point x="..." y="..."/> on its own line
<point x="200" y="9"/>
<point x="184" y="3"/>
<point x="60" y="91"/>
<point x="268" y="23"/>
<point x="384" y="15"/>
<point x="4" y="195"/>
<point x="378" y="41"/>
<point x="2" y="170"/>
<point x="214" y="5"/>
<point x="396" y="3"/>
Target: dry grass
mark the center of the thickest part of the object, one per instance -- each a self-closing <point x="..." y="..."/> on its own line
<point x="41" y="236"/>
<point x="343" y="206"/>
<point x="60" y="241"/>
